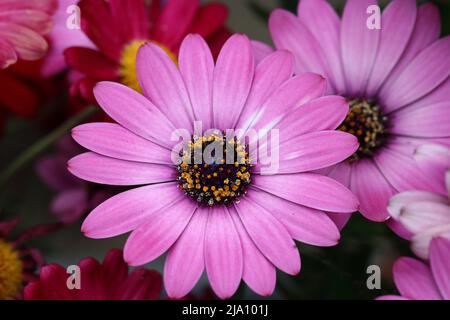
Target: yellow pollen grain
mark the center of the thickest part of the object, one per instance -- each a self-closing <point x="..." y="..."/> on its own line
<point x="10" y="271"/>
<point x="128" y="62"/>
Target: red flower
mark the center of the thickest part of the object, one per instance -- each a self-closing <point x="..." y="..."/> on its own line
<point x="98" y="281"/>
<point x="18" y="263"/>
<point x="119" y="27"/>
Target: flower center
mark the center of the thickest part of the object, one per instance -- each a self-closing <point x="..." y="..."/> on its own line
<point x="128" y="63"/>
<point x="10" y="271"/>
<point x="214" y="169"/>
<point x="368" y="124"/>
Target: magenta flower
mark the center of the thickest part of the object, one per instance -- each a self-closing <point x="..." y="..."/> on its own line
<point x="396" y="79"/>
<point x="418" y="281"/>
<point x="420" y="216"/>
<point x="229" y="219"/>
<point x="23" y="25"/>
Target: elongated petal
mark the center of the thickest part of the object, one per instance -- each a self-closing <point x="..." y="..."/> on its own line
<point x="261" y="50"/>
<point x="28" y="44"/>
<point x="180" y="277"/>
<point x="134" y="112"/>
<point x="303" y="224"/>
<point x="223" y="253"/>
<point x="92" y="63"/>
<point x="197" y="68"/>
<point x="270" y="74"/>
<point x="324" y="113"/>
<point x="233" y="77"/>
<point x="323" y="22"/>
<point x="420" y="216"/>
<point x="113" y="140"/>
<point x="270" y="236"/>
<point x="163" y="85"/>
<point x="309" y="189"/>
<point x="428" y="70"/>
<point x="414" y="280"/>
<point x="440" y="265"/>
<point x="397" y="26"/>
<point x="314" y="151"/>
<point x="159" y="233"/>
<point x="400" y="200"/>
<point x="259" y="273"/>
<point x="372" y="190"/>
<point x="8" y="55"/>
<point x="93" y="167"/>
<point x="128" y="210"/>
<point x="426" y="31"/>
<point x="420" y="243"/>
<point x="359" y="45"/>
<point x="291" y="34"/>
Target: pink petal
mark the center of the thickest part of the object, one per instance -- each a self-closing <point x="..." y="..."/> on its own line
<point x="93" y="167"/>
<point x="291" y="34"/>
<point x="223" y="253"/>
<point x="69" y="205"/>
<point x="113" y="140"/>
<point x="8" y="55"/>
<point x="197" y="69"/>
<point x="341" y="173"/>
<point x="270" y="74"/>
<point x="420" y="216"/>
<point x="372" y="190"/>
<point x="261" y="50"/>
<point x="401" y="171"/>
<point x="233" y="77"/>
<point x="440" y="265"/>
<point x="429" y="121"/>
<point x="258" y="272"/>
<point x="158" y="233"/>
<point x="426" y="31"/>
<point x="391" y="297"/>
<point x="414" y="280"/>
<point x="309" y="189"/>
<point x="174" y="21"/>
<point x="434" y="160"/>
<point x="314" y="151"/>
<point x="323" y="22"/>
<point x="163" y="85"/>
<point x="325" y="113"/>
<point x="398" y="20"/>
<point x="303" y="224"/>
<point x="420" y="243"/>
<point x="28" y="44"/>
<point x="180" y="277"/>
<point x="359" y="45"/>
<point x="400" y="200"/>
<point x="288" y="97"/>
<point x="270" y="236"/>
<point x="399" y="229"/>
<point x="134" y="112"/>
<point x="427" y="71"/>
<point x="128" y="210"/>
<point x="33" y="19"/>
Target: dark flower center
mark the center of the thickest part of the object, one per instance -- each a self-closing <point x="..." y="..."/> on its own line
<point x="368" y="124"/>
<point x="214" y="169"/>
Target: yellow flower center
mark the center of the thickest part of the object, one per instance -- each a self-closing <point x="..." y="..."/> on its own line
<point x="10" y="271"/>
<point x="128" y="62"/>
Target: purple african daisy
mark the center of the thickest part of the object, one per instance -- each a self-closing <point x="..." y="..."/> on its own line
<point x="419" y="281"/>
<point x="395" y="78"/>
<point x="232" y="218"/>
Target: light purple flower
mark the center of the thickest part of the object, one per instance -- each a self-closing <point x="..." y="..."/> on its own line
<point x="73" y="197"/>
<point x="249" y="232"/>
<point x="419" y="215"/>
<point x="416" y="280"/>
<point x="396" y="79"/>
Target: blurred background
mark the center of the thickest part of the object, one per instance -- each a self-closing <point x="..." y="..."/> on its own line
<point x="327" y="273"/>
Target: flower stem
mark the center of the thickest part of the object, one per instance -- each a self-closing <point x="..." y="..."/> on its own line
<point x="41" y="145"/>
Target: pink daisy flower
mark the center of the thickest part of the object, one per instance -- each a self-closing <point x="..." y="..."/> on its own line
<point x="22" y="27"/>
<point x="396" y="80"/>
<point x="419" y="281"/>
<point x="419" y="215"/>
<point x="229" y="219"/>
<point x="109" y="280"/>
